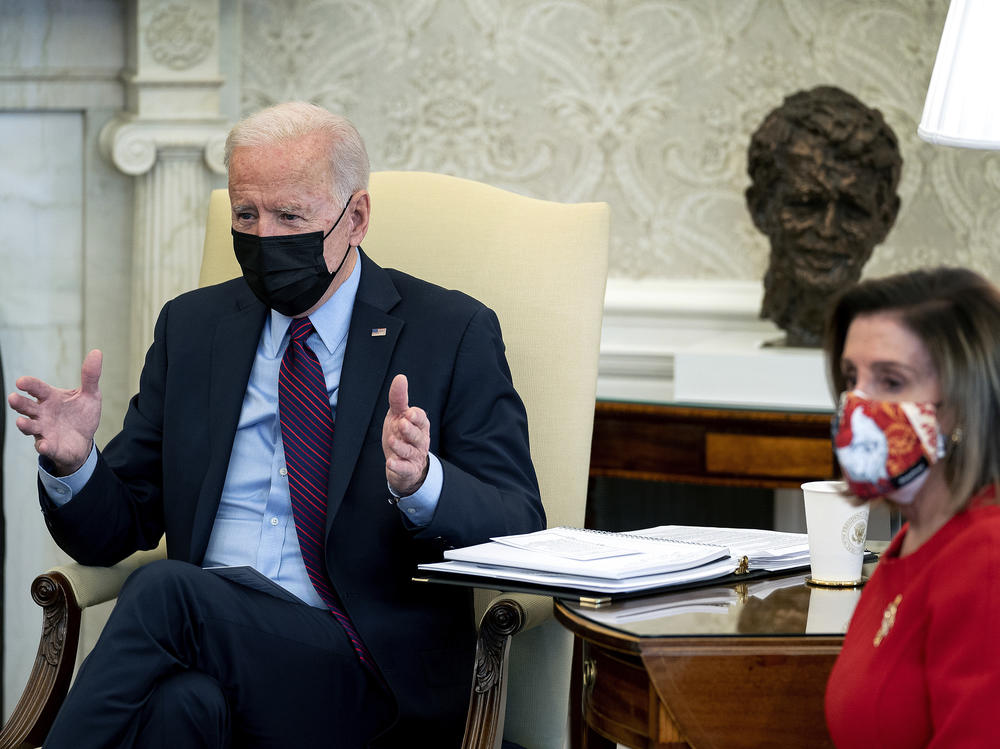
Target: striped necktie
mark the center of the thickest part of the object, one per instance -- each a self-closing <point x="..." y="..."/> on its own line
<point x="307" y="436"/>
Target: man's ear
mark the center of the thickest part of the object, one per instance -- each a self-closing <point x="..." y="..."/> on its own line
<point x="757" y="203"/>
<point x="889" y="213"/>
<point x="360" y="215"/>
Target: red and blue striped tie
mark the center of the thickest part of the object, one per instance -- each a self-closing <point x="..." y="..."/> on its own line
<point x="307" y="435"/>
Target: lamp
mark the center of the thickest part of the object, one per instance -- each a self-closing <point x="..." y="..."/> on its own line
<point x="963" y="99"/>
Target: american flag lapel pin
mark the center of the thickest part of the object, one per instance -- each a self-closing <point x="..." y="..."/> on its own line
<point x="376" y="332"/>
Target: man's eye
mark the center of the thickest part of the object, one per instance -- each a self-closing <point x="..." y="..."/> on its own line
<point x="244" y="216"/>
<point x="289" y="217"/>
<point x="853" y="210"/>
<point x="805" y="200"/>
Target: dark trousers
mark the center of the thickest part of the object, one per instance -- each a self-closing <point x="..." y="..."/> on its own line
<point x="188" y="659"/>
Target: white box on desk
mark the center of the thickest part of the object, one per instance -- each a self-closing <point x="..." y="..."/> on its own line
<point x="748" y="373"/>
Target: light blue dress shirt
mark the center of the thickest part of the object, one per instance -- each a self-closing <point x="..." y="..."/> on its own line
<point x="254" y="525"/>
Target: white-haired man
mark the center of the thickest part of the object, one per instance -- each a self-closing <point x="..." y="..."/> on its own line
<point x="229" y="448"/>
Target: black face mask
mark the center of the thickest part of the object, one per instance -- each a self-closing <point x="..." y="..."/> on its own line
<point x="287" y="273"/>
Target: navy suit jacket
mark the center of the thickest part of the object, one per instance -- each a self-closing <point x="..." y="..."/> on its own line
<point x="164" y="472"/>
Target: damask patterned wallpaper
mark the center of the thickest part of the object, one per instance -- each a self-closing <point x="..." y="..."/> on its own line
<point x="647" y="104"/>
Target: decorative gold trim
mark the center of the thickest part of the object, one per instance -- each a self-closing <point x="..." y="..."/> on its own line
<point x="742" y="591"/>
<point x="590" y="602"/>
<point x="589" y="673"/>
<point x="888" y="619"/>
<point x="744" y="566"/>
<point x="836" y="583"/>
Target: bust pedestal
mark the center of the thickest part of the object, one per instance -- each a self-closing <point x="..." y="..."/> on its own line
<point x="743" y="370"/>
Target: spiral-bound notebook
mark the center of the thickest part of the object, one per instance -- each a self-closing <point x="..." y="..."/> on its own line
<point x="575" y="551"/>
<point x="644" y="560"/>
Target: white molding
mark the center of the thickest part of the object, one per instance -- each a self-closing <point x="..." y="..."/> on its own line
<point x="132" y="144"/>
<point x="647" y="322"/>
<point x="707" y="299"/>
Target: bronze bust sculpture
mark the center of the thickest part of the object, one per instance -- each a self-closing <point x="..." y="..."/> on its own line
<point x="824" y="169"/>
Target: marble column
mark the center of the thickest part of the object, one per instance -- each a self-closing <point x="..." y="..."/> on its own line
<point x="170" y="138"/>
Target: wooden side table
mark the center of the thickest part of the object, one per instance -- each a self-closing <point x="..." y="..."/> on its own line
<point x="726" y="446"/>
<point x="711" y="667"/>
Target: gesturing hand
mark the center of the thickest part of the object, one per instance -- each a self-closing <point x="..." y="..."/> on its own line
<point x="406" y="439"/>
<point x="62" y="422"/>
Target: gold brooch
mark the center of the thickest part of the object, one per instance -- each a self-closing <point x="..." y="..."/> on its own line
<point x="888" y="619"/>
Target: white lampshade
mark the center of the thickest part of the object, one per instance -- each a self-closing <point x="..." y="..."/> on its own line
<point x="963" y="100"/>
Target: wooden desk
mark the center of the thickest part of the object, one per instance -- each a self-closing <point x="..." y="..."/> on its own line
<point x="711" y="445"/>
<point x="712" y="668"/>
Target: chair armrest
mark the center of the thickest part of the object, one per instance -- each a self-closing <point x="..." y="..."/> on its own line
<point x="506" y="615"/>
<point x="94" y="585"/>
<point x="62" y="592"/>
<point x="535" y="609"/>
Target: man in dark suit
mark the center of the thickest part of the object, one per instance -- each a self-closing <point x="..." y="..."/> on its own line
<point x="329" y="643"/>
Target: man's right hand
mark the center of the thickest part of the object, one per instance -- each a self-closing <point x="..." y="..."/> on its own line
<point x="63" y="422"/>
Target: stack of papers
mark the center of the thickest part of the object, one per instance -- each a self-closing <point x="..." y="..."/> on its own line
<point x="765" y="550"/>
<point x="601" y="562"/>
<point x="575" y="551"/>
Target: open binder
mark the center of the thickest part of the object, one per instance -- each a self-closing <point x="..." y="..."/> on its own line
<point x="596" y="567"/>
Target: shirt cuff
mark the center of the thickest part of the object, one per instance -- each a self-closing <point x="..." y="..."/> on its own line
<point x="62" y="489"/>
<point x="418" y="508"/>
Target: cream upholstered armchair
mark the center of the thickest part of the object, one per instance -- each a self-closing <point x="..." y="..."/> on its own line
<point x="542" y="267"/>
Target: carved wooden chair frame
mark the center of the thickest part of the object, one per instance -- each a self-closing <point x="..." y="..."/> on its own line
<point x="52" y="672"/>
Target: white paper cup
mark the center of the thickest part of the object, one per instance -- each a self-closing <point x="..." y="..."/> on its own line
<point x="837" y="532"/>
<point x="830" y="609"/>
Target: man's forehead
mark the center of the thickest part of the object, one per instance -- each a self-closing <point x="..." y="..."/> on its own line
<point x="274" y="188"/>
<point x="293" y="198"/>
<point x="806" y="174"/>
<point x="279" y="163"/>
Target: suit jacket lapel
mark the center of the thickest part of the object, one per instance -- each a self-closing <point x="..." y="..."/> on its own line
<point x="366" y="363"/>
<point x="233" y="349"/>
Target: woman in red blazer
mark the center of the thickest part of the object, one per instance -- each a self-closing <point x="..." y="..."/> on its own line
<point x="916" y="357"/>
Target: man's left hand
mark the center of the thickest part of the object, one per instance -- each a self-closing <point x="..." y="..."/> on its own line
<point x="406" y="439"/>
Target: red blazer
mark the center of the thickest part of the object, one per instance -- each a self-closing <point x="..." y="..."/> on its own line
<point x="933" y="678"/>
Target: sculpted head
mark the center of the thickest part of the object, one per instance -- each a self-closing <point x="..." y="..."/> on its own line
<point x="824" y="169"/>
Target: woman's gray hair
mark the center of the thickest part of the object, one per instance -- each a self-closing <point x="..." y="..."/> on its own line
<point x="956" y="314"/>
<point x="349" y="165"/>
